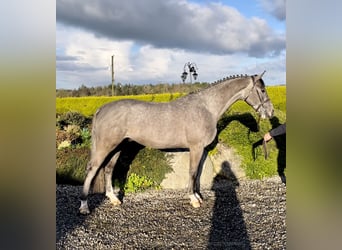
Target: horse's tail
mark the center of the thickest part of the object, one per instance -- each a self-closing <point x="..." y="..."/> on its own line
<point x="94" y="132"/>
<point x="97" y="184"/>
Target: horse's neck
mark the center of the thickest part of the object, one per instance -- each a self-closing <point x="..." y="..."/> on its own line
<point x="221" y="96"/>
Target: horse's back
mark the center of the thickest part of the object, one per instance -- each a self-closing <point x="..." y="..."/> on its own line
<point x="156" y="125"/>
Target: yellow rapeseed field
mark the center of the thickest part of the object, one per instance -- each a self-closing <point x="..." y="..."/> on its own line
<point x="88" y="105"/>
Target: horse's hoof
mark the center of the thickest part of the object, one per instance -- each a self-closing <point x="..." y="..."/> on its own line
<point x="116" y="202"/>
<point x="84" y="211"/>
<point x="195" y="204"/>
<point x="195" y="200"/>
<point x="113" y="199"/>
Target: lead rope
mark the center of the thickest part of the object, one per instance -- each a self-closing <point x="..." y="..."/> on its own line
<point x="264" y="146"/>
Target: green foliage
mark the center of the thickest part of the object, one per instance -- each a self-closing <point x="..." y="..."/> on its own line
<point x="238" y="134"/>
<point x="238" y="128"/>
<point x="145" y="170"/>
<point x="152" y="163"/>
<point x="136" y="183"/>
<point x="86" y="138"/>
<point x="73" y="136"/>
<point x="71" y="165"/>
<point x="72" y="118"/>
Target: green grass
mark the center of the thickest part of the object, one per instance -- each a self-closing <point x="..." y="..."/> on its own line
<point x="71" y="165"/>
<point x="239" y="130"/>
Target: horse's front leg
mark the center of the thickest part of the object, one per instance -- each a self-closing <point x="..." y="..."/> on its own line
<point x="108" y="180"/>
<point x="196" y="154"/>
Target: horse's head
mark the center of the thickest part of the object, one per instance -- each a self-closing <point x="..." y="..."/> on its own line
<point x="257" y="97"/>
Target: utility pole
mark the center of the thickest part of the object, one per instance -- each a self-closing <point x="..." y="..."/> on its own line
<point x="113" y="75"/>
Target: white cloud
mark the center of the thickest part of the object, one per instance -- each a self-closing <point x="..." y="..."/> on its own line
<point x="213" y="28"/>
<point x="86" y="60"/>
<point x="275" y="7"/>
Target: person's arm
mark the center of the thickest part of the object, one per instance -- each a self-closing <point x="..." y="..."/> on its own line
<point x="281" y="129"/>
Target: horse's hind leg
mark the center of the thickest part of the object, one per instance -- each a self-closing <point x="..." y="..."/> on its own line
<point x="108" y="178"/>
<point x="93" y="166"/>
<point x="91" y="172"/>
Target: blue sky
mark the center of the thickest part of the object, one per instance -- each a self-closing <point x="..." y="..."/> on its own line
<point x="151" y="40"/>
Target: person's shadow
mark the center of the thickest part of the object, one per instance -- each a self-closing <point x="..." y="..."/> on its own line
<point x="228" y="229"/>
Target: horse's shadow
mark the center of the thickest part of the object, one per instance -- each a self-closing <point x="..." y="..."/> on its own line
<point x="246" y="119"/>
<point x="228" y="228"/>
<point x="67" y="216"/>
<point x="67" y="203"/>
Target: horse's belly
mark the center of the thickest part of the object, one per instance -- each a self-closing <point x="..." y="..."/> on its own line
<point x="158" y="138"/>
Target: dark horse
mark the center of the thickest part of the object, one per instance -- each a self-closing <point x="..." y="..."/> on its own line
<point x="187" y="122"/>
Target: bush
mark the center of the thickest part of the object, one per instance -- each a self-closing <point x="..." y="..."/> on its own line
<point x="71" y="165"/>
<point x="145" y="169"/>
<point x="151" y="163"/>
<point x="72" y="118"/>
<point x="136" y="183"/>
<point x="86" y="137"/>
<point x="73" y="136"/>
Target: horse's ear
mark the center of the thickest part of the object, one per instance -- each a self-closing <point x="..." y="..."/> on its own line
<point x="258" y="77"/>
<point x="262" y="74"/>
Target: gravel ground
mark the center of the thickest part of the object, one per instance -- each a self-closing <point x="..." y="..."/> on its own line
<point x="246" y="215"/>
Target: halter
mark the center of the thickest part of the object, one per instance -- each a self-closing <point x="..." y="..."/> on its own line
<point x="262" y="102"/>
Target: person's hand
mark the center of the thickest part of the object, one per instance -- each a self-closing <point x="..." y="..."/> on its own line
<point x="267" y="137"/>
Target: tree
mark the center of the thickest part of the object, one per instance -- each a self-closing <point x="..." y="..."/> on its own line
<point x="84" y="91"/>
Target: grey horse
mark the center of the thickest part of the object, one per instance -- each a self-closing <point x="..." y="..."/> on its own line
<point x="188" y="122"/>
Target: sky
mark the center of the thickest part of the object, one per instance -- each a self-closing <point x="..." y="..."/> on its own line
<point x="153" y="40"/>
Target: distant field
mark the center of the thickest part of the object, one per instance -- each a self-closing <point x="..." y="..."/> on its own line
<point x="88" y="105"/>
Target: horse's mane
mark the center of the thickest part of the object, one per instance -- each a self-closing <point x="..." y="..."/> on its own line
<point x="224" y="79"/>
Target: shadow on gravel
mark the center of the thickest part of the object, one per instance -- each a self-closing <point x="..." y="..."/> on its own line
<point x="228" y="228"/>
<point x="67" y="204"/>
